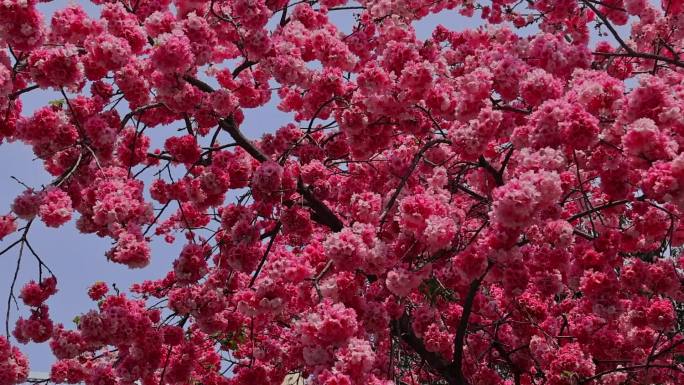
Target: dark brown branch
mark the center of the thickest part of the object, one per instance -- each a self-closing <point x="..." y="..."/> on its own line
<point x="604" y="4"/>
<point x="161" y="156"/>
<point x="507" y="158"/>
<point x="245" y="64"/>
<point x="283" y="17"/>
<point x="41" y="263"/>
<point x="10" y="246"/>
<point x="138" y="110"/>
<point x="629" y="51"/>
<point x="610" y="27"/>
<point x="642" y="55"/>
<point x="358" y="7"/>
<point x="156" y="218"/>
<point x="10" y="297"/>
<point x="507" y="357"/>
<point x="23" y="241"/>
<point x="496" y="174"/>
<point x="321" y="213"/>
<point x="627" y="369"/>
<point x="198" y="83"/>
<point x="402" y="329"/>
<point x="73" y="115"/>
<point x="11" y="293"/>
<point x="228" y="124"/>
<point x="188" y="124"/>
<point x="318" y="111"/>
<point x="16" y="94"/>
<point x="583" y="234"/>
<point x="214" y="138"/>
<point x="270" y="233"/>
<point x="318" y="277"/>
<point x="598" y="208"/>
<point x="459" y="340"/>
<point x="504" y="107"/>
<point x="457" y="186"/>
<point x="68" y="173"/>
<point x="203" y="162"/>
<point x="437" y="126"/>
<point x="404" y="179"/>
<point x="268" y="250"/>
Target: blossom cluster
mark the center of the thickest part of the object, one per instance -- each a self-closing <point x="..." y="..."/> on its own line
<point x="499" y="205"/>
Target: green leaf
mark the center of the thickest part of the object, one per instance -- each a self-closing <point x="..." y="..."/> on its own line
<point x="57" y="103"/>
<point x="567" y="374"/>
<point x="433" y="290"/>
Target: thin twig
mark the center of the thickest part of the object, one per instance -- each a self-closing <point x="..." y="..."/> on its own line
<point x="404" y="179"/>
<point x="265" y="256"/>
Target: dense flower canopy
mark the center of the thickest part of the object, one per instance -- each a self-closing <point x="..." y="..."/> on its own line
<point x="480" y="207"/>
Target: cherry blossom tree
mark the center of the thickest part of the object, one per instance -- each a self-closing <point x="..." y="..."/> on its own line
<point x="480" y="207"/>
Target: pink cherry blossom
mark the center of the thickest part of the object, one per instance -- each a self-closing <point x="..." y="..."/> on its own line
<point x="55" y="209"/>
<point x="13" y="364"/>
<point x="498" y="203"/>
<point x="7" y="225"/>
<point x="34" y="294"/>
<point x="57" y="67"/>
<point x="37" y="328"/>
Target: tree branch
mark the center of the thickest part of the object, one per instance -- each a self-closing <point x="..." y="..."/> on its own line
<point x="457" y="186"/>
<point x="459" y="340"/>
<point x="597" y="208"/>
<point x="18" y="93"/>
<point x="402" y="329"/>
<point x="228" y="124"/>
<point x="630" y="52"/>
<point x="138" y="110"/>
<point x="245" y="64"/>
<point x="321" y="213"/>
<point x="268" y="250"/>
<point x="404" y="180"/>
<point x="627" y="369"/>
<point x="496" y="174"/>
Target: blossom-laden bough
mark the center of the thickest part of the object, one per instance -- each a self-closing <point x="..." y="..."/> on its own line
<point x="479" y="207"/>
